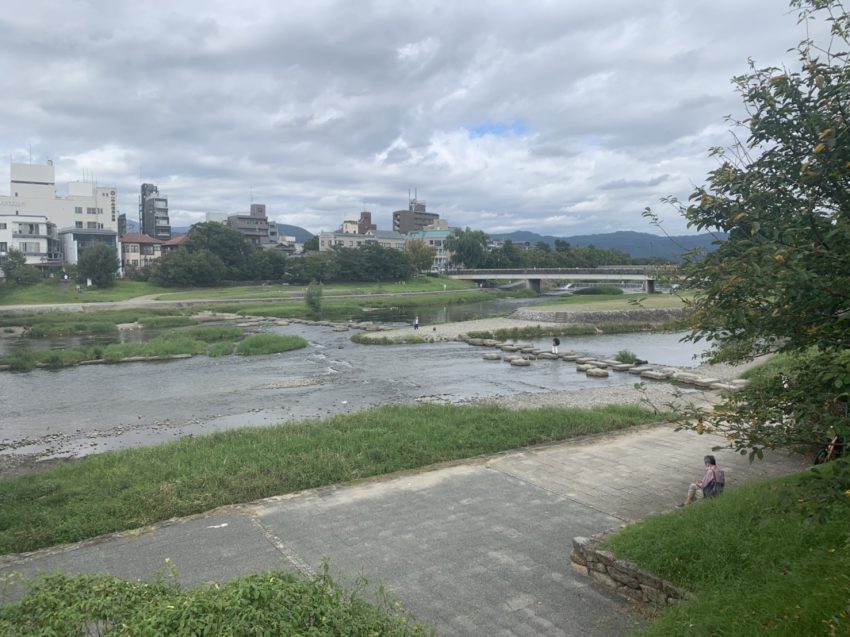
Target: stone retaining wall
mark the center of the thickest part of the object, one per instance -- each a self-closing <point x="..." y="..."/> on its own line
<point x="625" y="578"/>
<point x="652" y="316"/>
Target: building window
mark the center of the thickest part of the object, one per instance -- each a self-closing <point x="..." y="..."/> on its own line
<point x="78" y="224"/>
<point x="2" y="226"/>
<point x="91" y="211"/>
<point x="29" y="247"/>
<point x="3" y="246"/>
<point x="91" y="225"/>
<point x="78" y="210"/>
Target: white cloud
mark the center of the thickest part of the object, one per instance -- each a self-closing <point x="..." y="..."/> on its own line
<point x="320" y="108"/>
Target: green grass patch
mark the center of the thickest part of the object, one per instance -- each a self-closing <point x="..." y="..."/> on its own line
<point x="162" y="322"/>
<point x="756" y="565"/>
<point x="223" y="348"/>
<point x="358" y="308"/>
<point x="160" y="347"/>
<point x="127" y="489"/>
<point x="257" y="344"/>
<point x="417" y="284"/>
<point x="55" y="291"/>
<point x="272" y="603"/>
<point x="370" y="338"/>
<point x="213" y="333"/>
<point x="88" y="322"/>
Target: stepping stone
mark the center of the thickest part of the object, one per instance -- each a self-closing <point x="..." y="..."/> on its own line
<point x="492" y="357"/>
<point x="655" y="375"/>
<point x="582" y="367"/>
<point x="621" y="367"/>
<point x="520" y="362"/>
<point x="640" y="369"/>
<point x="596" y="372"/>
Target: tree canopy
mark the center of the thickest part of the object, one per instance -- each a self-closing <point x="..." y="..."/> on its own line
<point x="781" y="282"/>
<point x="16" y="271"/>
<point x="98" y="262"/>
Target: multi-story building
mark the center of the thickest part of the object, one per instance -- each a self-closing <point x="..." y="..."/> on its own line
<point x="437" y="240"/>
<point x="254" y="225"/>
<point x="388" y="239"/>
<point x="32" y="191"/>
<point x="139" y="250"/>
<point x="32" y="235"/>
<point x="153" y="213"/>
<point x="75" y="240"/>
<point x="414" y="218"/>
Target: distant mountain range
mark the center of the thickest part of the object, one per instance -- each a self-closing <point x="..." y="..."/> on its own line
<point x="638" y="245"/>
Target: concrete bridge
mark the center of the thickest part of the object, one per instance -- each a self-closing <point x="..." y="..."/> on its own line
<point x="645" y="274"/>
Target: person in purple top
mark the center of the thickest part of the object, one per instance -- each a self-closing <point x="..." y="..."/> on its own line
<point x="711" y="483"/>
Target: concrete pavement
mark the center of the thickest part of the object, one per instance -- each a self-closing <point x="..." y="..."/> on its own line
<point x="478" y="548"/>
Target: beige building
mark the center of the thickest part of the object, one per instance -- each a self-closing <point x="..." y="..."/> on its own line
<point x="139" y="250"/>
<point x="32" y="235"/>
<point x="330" y="240"/>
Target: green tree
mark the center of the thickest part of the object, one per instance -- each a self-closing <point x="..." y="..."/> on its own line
<point x="312" y="244"/>
<point x="16" y="270"/>
<point x="781" y="282"/>
<point x="183" y="268"/>
<point x="232" y="247"/>
<point x="313" y="299"/>
<point x="99" y="263"/>
<point x="468" y="247"/>
<point x="421" y="255"/>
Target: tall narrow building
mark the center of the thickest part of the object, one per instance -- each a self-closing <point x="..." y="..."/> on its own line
<point x="153" y="213"/>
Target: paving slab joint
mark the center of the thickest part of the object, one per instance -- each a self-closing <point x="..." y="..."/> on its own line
<point x="623" y="577"/>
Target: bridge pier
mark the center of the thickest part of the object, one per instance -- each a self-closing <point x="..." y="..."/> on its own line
<point x="649" y="286"/>
<point x="534" y="284"/>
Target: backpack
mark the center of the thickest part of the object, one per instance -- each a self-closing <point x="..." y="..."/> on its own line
<point x="716" y="486"/>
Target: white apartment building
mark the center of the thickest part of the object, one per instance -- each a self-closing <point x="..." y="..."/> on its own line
<point x="32" y="191"/>
<point x="34" y="236"/>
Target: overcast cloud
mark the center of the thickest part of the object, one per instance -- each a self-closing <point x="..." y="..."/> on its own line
<point x="561" y="117"/>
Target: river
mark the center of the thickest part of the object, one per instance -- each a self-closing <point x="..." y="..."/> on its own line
<point x="90" y="409"/>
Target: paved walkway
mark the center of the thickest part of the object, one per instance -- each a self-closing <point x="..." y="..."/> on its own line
<point x="479" y="548"/>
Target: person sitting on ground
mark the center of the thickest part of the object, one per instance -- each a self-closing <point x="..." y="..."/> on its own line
<point x="711" y="484"/>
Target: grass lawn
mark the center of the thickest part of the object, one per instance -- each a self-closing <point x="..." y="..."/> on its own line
<point x="53" y="291"/>
<point x="418" y="284"/>
<point x="128" y="489"/>
<point x="595" y="303"/>
<point x="755" y="562"/>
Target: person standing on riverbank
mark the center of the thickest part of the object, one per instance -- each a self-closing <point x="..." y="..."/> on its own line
<point x="416" y="323"/>
<point x="556" y="342"/>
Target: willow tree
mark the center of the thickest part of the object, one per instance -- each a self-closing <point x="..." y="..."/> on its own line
<point x="780" y="283"/>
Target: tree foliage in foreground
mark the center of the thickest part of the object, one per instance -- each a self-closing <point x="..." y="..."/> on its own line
<point x="273" y="603"/>
<point x="781" y="282"/>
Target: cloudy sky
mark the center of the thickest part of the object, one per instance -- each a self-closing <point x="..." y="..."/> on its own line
<point x="563" y="117"/>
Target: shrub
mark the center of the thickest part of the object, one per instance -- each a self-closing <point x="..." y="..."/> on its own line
<point x="269" y="344"/>
<point x="273" y="603"/>
<point x="223" y="348"/>
<point x="626" y="356"/>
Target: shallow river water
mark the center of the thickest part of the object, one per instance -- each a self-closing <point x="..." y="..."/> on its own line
<point x="95" y="408"/>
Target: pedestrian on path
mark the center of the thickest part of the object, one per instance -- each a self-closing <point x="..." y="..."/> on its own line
<point x="711" y="484"/>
